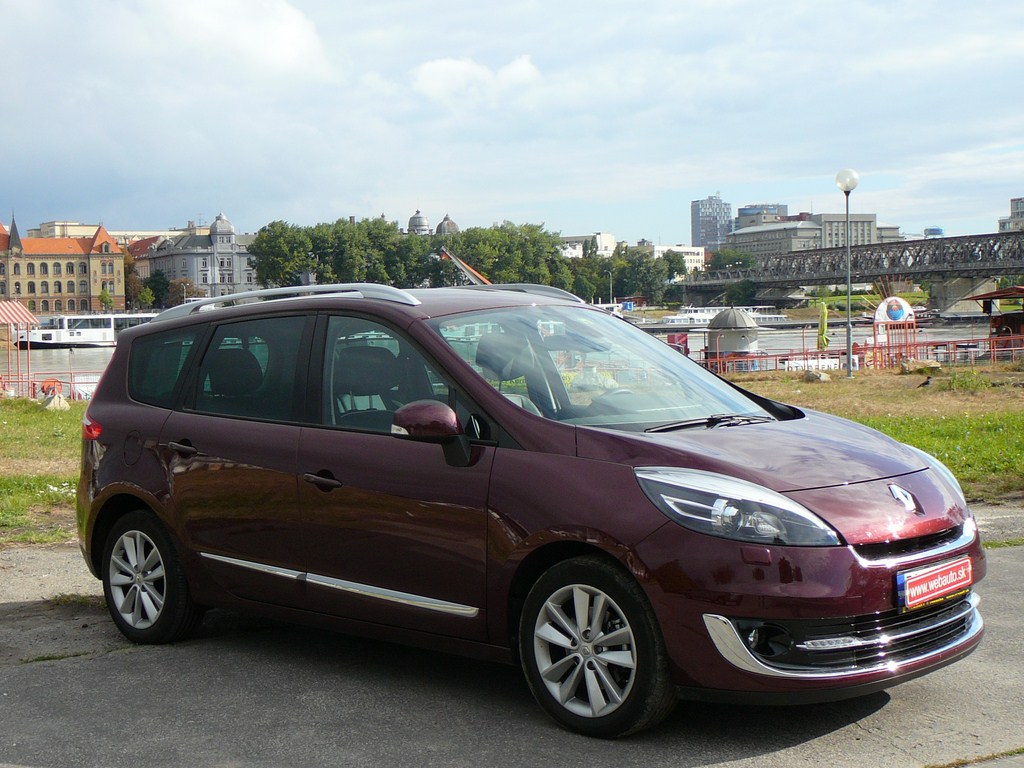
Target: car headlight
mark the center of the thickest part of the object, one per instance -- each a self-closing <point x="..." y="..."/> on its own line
<point x="939" y="467"/>
<point x="724" y="506"/>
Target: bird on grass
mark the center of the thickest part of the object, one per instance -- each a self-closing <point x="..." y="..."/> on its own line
<point x="925" y="383"/>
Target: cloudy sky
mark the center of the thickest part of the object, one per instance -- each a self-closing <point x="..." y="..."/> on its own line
<point x="605" y="115"/>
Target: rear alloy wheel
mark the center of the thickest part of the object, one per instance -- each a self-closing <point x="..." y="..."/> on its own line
<point x="592" y="651"/>
<point x="145" y="588"/>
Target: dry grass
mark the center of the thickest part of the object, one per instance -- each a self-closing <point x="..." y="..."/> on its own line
<point x="885" y="393"/>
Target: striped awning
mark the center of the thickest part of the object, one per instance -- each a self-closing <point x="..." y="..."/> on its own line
<point x="13" y="313"/>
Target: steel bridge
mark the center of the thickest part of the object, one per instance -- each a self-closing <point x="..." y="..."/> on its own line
<point x="970" y="257"/>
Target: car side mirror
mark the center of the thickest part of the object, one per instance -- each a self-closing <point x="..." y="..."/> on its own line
<point x="431" y="421"/>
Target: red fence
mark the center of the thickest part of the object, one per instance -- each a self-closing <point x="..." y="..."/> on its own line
<point x="1001" y="349"/>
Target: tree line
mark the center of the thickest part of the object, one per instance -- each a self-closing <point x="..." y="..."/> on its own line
<point x="377" y="251"/>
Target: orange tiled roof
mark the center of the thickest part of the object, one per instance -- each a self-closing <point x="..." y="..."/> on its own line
<point x="141" y="247"/>
<point x="64" y="246"/>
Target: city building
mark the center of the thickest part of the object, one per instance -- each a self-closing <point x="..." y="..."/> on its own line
<point x="574" y="246"/>
<point x="122" y="236"/>
<point x="710" y="222"/>
<point x="863" y="229"/>
<point x="1015" y="221"/>
<point x="775" y="239"/>
<point x="447" y="226"/>
<point x="217" y="262"/>
<point x="760" y="213"/>
<point x="62" y="273"/>
<point x="418" y="224"/>
<point x="694" y="257"/>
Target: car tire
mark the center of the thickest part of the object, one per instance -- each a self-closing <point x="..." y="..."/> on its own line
<point x="144" y="584"/>
<point x="606" y="681"/>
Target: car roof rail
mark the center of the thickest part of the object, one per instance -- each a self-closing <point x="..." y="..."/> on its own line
<point x="353" y="290"/>
<point x="541" y="290"/>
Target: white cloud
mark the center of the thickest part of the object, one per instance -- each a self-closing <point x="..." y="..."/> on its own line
<point x="466" y="83"/>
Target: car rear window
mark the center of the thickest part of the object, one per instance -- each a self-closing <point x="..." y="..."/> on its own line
<point x="156" y="364"/>
<point x="251" y="369"/>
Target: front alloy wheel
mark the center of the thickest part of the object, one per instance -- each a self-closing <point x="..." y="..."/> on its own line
<point x="592" y="651"/>
<point x="585" y="650"/>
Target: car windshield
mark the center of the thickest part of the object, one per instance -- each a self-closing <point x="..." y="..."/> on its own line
<point x="582" y="366"/>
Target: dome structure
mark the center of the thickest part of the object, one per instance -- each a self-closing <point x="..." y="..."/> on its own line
<point x="418" y="224"/>
<point x="221" y="226"/>
<point x="447" y="226"/>
<point x="732" y="332"/>
<point x="732" y="319"/>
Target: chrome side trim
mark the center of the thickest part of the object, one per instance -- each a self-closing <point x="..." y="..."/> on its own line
<point x="273" y="570"/>
<point x="966" y="537"/>
<point x="728" y="643"/>
<point x="366" y="590"/>
<point x="393" y="596"/>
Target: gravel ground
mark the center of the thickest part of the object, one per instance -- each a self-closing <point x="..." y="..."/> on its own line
<point x="51" y="606"/>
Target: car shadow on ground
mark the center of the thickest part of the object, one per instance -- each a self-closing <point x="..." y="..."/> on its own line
<point x="421" y="686"/>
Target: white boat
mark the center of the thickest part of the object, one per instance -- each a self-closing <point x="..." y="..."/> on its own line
<point x="88" y="330"/>
<point x="700" y="317"/>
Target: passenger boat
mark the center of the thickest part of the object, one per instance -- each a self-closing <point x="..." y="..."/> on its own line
<point x="699" y="317"/>
<point x="87" y="330"/>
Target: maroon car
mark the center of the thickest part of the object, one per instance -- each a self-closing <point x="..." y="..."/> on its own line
<point x="508" y="473"/>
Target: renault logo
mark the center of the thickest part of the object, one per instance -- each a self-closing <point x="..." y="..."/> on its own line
<point x="906" y="498"/>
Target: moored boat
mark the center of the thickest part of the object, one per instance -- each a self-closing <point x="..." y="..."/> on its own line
<point x="84" y="330"/>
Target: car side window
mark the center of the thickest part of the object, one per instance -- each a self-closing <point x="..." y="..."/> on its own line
<point x="156" y="364"/>
<point x="250" y="369"/>
<point x="370" y="372"/>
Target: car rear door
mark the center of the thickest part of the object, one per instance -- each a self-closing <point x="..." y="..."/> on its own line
<point x="231" y="458"/>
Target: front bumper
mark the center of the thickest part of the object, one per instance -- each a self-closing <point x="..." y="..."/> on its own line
<point x="828" y="618"/>
<point x="868" y="645"/>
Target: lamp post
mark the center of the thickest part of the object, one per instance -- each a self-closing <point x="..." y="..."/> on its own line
<point x="611" y="298"/>
<point x="847" y="180"/>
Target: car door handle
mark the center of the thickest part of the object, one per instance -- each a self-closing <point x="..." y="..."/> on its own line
<point x="183" y="449"/>
<point x="325" y="481"/>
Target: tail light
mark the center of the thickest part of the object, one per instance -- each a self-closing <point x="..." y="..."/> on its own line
<point x="91" y="429"/>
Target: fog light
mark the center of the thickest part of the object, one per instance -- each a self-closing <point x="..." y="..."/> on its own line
<point x="766" y="640"/>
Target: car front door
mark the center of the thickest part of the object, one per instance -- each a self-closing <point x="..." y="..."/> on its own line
<point x="395" y="535"/>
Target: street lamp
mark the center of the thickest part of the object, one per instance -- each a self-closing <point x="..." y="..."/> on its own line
<point x="611" y="299"/>
<point x="847" y="180"/>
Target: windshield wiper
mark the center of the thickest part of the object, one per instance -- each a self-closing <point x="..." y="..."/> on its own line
<point x="710" y="422"/>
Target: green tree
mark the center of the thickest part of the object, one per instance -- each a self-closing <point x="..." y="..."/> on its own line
<point x="106" y="301"/>
<point x="146" y="297"/>
<point x="645" y="276"/>
<point x="281" y="254"/>
<point x="741" y="294"/>
<point x="727" y="258"/>
<point x="132" y="281"/>
<point x="181" y="289"/>
<point x="158" y="284"/>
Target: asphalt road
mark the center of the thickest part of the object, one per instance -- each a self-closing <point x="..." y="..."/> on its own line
<point x="253" y="693"/>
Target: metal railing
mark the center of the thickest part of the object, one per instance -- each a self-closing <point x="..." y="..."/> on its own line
<point x="969" y="352"/>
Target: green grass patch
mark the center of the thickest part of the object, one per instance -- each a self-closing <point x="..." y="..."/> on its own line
<point x="984" y="451"/>
<point x="76" y="600"/>
<point x="30" y="432"/>
<point x="35" y="509"/>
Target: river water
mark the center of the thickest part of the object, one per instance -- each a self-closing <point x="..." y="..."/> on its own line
<point x="85" y="362"/>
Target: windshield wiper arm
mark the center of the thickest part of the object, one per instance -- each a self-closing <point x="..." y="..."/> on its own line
<point x="710" y="422"/>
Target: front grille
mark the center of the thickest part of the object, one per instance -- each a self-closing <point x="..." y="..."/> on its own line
<point x="901" y="547"/>
<point x="859" y="642"/>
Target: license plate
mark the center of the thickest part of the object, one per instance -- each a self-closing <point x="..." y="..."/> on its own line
<point x="933" y="583"/>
